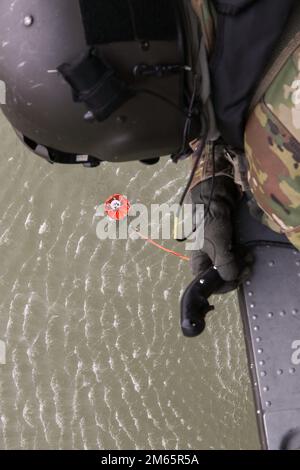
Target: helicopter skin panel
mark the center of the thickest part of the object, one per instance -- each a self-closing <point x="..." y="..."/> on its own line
<point x="270" y="307"/>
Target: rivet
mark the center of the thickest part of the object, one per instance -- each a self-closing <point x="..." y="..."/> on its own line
<point x="248" y="283"/>
<point x="270" y="315"/>
<point x="252" y="305"/>
<point x="250" y="294"/>
<point x="145" y="45"/>
<point x="202" y="281"/>
<point x="28" y="20"/>
<point x="89" y="116"/>
<point x="282" y="313"/>
<point x="279" y="372"/>
<point x="268" y="404"/>
<point x="263" y="373"/>
<point x="271" y="263"/>
<point x="262" y="363"/>
<point x="266" y="389"/>
<point x="256" y="328"/>
<point x="254" y="317"/>
<point x="294" y="311"/>
<point x="292" y="370"/>
<point x="121" y="119"/>
<point x="260" y="351"/>
<point x="297" y="263"/>
<point x="258" y="339"/>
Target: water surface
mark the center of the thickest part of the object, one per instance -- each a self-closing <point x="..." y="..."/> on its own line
<point x="95" y="356"/>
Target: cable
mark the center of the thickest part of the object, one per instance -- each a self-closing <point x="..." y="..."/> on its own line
<point x="188" y="122"/>
<point x="160" y="97"/>
<point x="206" y="212"/>
<point x="133" y="21"/>
<point x="187" y="125"/>
<point x="198" y="152"/>
<point x="167" y="250"/>
<point x="213" y="181"/>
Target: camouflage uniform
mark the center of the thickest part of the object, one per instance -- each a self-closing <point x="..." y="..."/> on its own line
<point x="272" y="139"/>
<point x="273" y="145"/>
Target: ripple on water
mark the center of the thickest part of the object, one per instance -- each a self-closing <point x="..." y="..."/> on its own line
<point x="95" y="358"/>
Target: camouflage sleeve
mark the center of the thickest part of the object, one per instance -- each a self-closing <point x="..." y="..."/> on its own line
<point x="274" y="176"/>
<point x="272" y="138"/>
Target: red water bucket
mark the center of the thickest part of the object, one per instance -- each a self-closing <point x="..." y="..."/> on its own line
<point x="117" y="207"/>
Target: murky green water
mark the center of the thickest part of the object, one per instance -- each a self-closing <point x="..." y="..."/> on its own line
<point x="94" y="354"/>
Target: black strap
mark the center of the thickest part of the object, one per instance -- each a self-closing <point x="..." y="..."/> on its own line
<point x="56" y="156"/>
